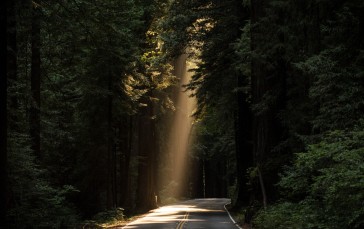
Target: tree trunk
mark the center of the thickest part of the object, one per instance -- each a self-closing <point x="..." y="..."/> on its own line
<point x="109" y="147"/>
<point x="114" y="183"/>
<point x="3" y="145"/>
<point x="155" y="148"/>
<point x="242" y="126"/>
<point x="125" y="153"/>
<point x="244" y="154"/>
<point x="111" y="157"/>
<point x="7" y="12"/>
<point x="196" y="178"/>
<point x="146" y="166"/>
<point x="35" y="82"/>
<point x="12" y="64"/>
<point x="262" y="187"/>
<point x="269" y="94"/>
<point x="259" y="88"/>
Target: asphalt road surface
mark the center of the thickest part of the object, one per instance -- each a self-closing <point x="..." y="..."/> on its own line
<point x="191" y="214"/>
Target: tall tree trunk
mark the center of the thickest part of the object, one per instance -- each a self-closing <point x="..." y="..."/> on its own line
<point x="12" y="64"/>
<point x="6" y="13"/>
<point x="267" y="84"/>
<point x="242" y="127"/>
<point x="125" y="153"/>
<point x="128" y="157"/>
<point x="244" y="154"/>
<point x="109" y="149"/>
<point x="155" y="147"/>
<point x="146" y="167"/>
<point x="111" y="159"/>
<point x="259" y="88"/>
<point x="115" y="188"/>
<point x="196" y="178"/>
<point x="3" y="146"/>
<point x="35" y="81"/>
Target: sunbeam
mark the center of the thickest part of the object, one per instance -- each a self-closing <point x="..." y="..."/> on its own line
<point x="180" y="132"/>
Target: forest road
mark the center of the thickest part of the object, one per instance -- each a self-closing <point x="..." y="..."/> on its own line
<point x="191" y="214"/>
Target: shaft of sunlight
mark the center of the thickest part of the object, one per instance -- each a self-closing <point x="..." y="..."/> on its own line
<point x="180" y="131"/>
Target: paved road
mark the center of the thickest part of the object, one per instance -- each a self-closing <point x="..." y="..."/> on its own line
<point x="191" y="214"/>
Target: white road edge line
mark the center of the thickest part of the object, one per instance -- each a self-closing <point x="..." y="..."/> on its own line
<point x="236" y="224"/>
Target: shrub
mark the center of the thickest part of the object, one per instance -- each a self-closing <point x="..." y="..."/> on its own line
<point x="324" y="188"/>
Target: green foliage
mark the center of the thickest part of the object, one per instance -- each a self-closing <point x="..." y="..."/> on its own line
<point x="337" y="79"/>
<point x="35" y="201"/>
<point x="242" y="48"/>
<point x="338" y="106"/>
<point x="324" y="187"/>
<point x="110" y="216"/>
<point x="215" y="147"/>
<point x="286" y="215"/>
<point x="215" y="137"/>
<point x="105" y="219"/>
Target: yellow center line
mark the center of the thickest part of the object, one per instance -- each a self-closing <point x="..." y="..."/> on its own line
<point x="183" y="221"/>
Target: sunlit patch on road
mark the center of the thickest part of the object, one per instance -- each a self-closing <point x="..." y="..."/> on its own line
<point x="198" y="213"/>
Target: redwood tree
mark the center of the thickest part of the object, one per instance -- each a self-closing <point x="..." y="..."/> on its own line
<point x="4" y="16"/>
<point x="35" y="80"/>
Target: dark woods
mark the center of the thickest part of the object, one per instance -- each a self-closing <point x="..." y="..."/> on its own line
<point x="88" y="91"/>
<point x="80" y="101"/>
<point x="279" y="86"/>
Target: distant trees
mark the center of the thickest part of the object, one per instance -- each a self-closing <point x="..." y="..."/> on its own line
<point x="224" y="130"/>
<point x="285" y="75"/>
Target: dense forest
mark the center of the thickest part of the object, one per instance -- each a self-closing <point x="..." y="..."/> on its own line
<point x="89" y="91"/>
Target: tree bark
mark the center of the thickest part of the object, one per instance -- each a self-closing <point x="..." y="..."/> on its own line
<point x="109" y="195"/>
<point x="35" y="81"/>
<point x="259" y="88"/>
<point x="146" y="165"/>
<point x="197" y="178"/>
<point x="244" y="154"/>
<point x="12" y="64"/>
<point x="125" y="153"/>
<point x="242" y="120"/>
<point x="5" y="15"/>
<point x="262" y="187"/>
